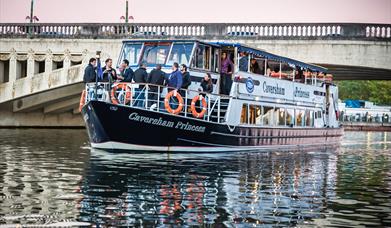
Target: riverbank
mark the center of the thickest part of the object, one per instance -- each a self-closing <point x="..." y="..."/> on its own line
<point x="359" y="126"/>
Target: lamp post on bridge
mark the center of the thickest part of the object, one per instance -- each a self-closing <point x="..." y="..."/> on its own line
<point x="32" y="18"/>
<point x="127" y="17"/>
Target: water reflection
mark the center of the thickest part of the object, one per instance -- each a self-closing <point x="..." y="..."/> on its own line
<point x="45" y="179"/>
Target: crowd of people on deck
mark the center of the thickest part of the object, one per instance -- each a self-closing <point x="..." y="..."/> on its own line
<point x="178" y="79"/>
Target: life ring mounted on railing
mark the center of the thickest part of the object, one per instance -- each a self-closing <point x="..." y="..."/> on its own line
<point x="167" y="102"/>
<point x="193" y="106"/>
<point x="82" y="99"/>
<point x="118" y="87"/>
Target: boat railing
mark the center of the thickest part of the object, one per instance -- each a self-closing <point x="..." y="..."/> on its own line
<point x="189" y="103"/>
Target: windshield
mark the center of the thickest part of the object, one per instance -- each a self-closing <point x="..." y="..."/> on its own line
<point x="132" y="52"/>
<point x="180" y="53"/>
<point x="155" y="53"/>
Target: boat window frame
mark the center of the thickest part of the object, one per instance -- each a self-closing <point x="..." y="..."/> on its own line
<point x="122" y="52"/>
<point x="158" y="44"/>
<point x="193" y="66"/>
<point x="191" y="53"/>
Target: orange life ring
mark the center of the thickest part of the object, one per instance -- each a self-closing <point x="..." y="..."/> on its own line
<point x="120" y="86"/>
<point x="167" y="103"/>
<point x="193" y="108"/>
<point x="82" y="99"/>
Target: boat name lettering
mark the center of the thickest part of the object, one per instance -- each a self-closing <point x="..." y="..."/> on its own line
<point x="273" y="89"/>
<point x="165" y="123"/>
<point x="300" y="93"/>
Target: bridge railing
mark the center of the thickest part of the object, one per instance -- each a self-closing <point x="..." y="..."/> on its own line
<point x="199" y="30"/>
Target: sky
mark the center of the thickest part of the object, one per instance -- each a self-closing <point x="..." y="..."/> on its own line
<point x="202" y="11"/>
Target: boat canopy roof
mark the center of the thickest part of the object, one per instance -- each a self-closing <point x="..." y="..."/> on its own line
<point x="243" y="48"/>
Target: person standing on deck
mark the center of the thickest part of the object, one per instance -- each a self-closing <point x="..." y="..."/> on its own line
<point x="243" y="62"/>
<point x="140" y="76"/>
<point x="226" y="70"/>
<point x="186" y="79"/>
<point x="89" y="71"/>
<point x="127" y="73"/>
<point x="109" y="74"/>
<point x="175" y="79"/>
<point x="155" y="77"/>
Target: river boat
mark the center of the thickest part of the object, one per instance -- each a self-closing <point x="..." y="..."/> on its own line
<point x="273" y="102"/>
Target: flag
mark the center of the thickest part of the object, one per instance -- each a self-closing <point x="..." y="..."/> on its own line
<point x="99" y="71"/>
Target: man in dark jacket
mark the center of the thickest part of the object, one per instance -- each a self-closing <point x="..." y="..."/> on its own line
<point x="140" y="76"/>
<point x="127" y="74"/>
<point x="186" y="82"/>
<point x="109" y="74"/>
<point x="156" y="77"/>
<point x="89" y="72"/>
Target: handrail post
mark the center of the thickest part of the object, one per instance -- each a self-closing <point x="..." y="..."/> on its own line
<point x="218" y="109"/>
<point x="158" y="98"/>
<point x="131" y="97"/>
<point x="146" y="96"/>
<point x="185" y="102"/>
<point x="208" y="113"/>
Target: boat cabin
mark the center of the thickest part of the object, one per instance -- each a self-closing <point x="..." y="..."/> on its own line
<point x="267" y="90"/>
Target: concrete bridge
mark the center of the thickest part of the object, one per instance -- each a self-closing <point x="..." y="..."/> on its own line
<point x="41" y="65"/>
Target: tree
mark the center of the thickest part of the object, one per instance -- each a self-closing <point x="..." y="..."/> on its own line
<point x="378" y="92"/>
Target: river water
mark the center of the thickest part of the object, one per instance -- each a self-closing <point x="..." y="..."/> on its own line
<point x="53" y="177"/>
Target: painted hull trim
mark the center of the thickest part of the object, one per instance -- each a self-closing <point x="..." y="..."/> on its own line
<point x="111" y="145"/>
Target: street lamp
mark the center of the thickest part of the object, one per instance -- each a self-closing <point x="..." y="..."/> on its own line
<point x="126" y="17"/>
<point x="32" y="18"/>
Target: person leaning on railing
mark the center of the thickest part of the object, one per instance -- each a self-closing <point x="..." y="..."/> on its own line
<point x="206" y="84"/>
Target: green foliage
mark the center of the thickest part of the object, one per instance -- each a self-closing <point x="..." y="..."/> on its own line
<point x="378" y="92"/>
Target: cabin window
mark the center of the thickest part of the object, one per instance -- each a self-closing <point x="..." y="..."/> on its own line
<point x="215" y="60"/>
<point x="132" y="52"/>
<point x="307" y="118"/>
<point x="290" y="117"/>
<point x="201" y="58"/>
<point x="280" y="116"/>
<point x="257" y="65"/>
<point x="255" y="114"/>
<point x="299" y="114"/>
<point x="311" y="118"/>
<point x="267" y="115"/>
<point x="319" y="114"/>
<point x="180" y="53"/>
<point x="273" y="68"/>
<point x="155" y="53"/>
<point x="244" y="115"/>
